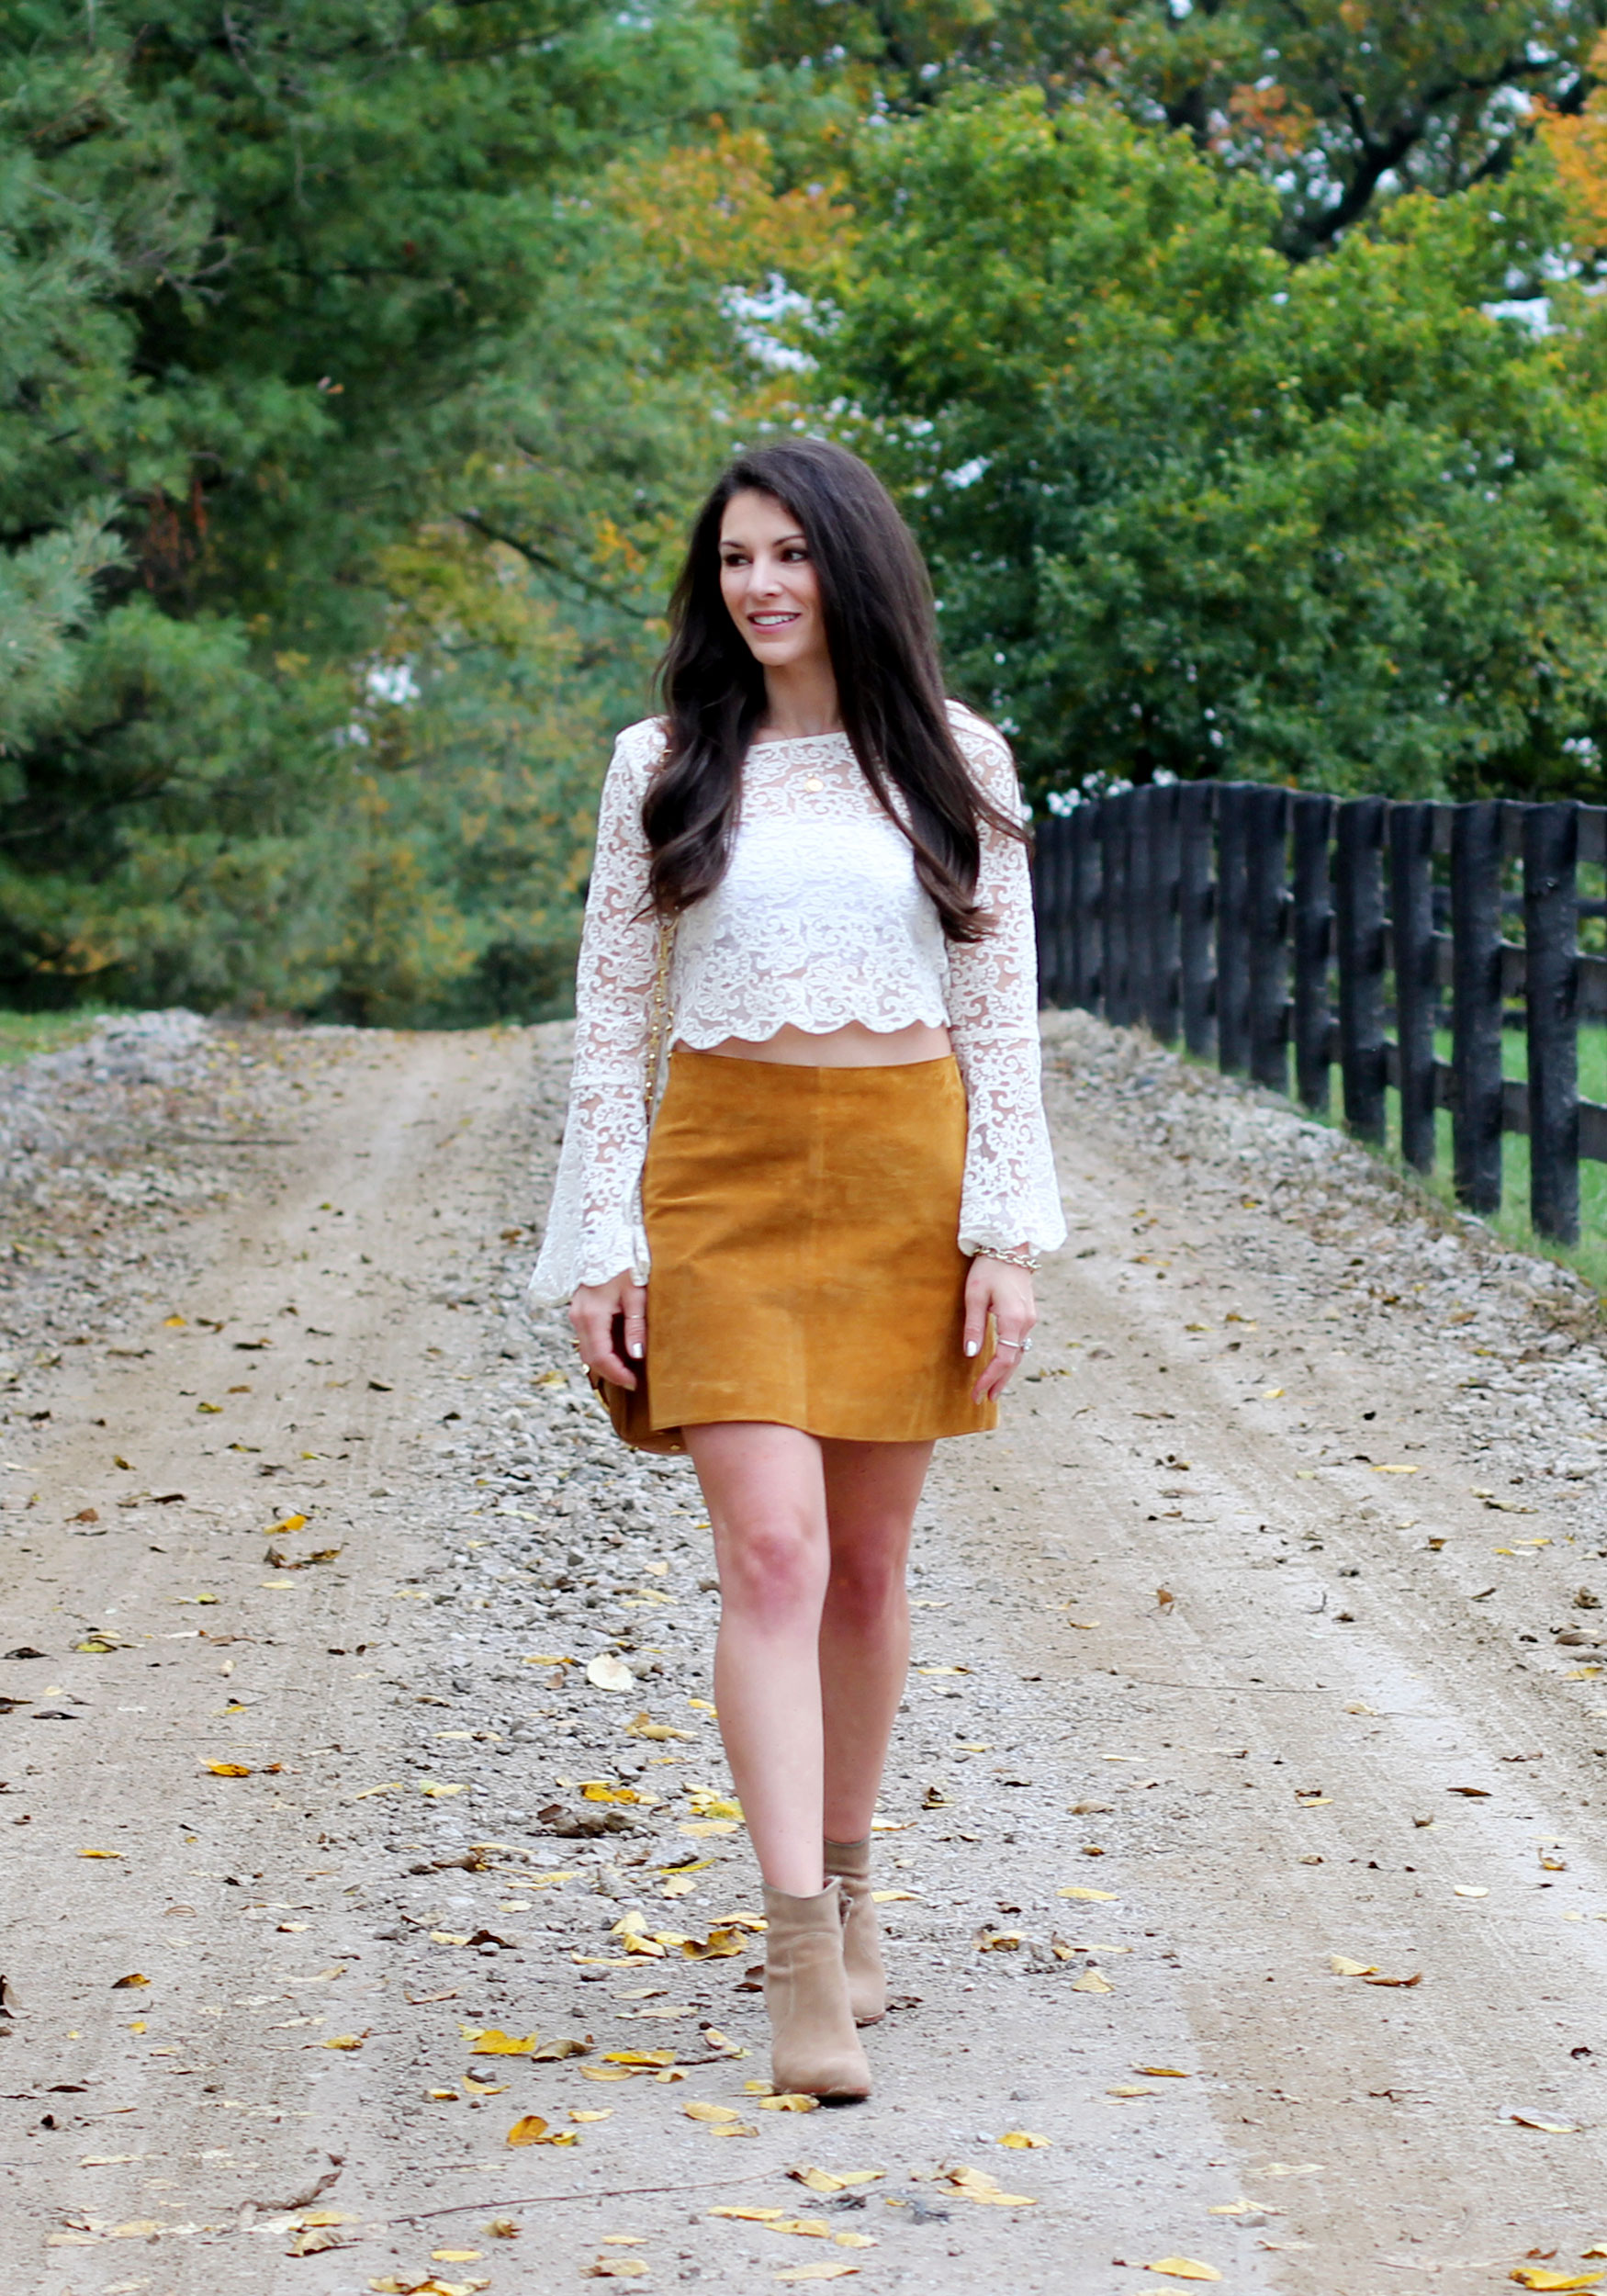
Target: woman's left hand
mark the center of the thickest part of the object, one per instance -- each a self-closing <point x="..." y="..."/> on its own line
<point x="999" y="1288"/>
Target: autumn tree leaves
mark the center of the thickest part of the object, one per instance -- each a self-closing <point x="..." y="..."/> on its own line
<point x="1240" y="367"/>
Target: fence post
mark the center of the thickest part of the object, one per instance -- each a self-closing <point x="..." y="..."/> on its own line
<point x="1115" y="907"/>
<point x="1232" y="930"/>
<point x="1476" y="1002"/>
<point x="1083" y="892"/>
<point x="1550" y="932"/>
<point x="1411" y="907"/>
<point x="1194" y="907"/>
<point x="1163" y="869"/>
<point x="1266" y="813"/>
<point x="1063" y="942"/>
<point x="1313" y="938"/>
<point x="1359" y="921"/>
<point x="1141" y="894"/>
<point x="1047" y="905"/>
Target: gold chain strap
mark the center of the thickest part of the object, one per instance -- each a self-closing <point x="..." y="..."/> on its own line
<point x="657" y="1018"/>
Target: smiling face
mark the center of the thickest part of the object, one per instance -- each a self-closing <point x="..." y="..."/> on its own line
<point x="769" y="583"/>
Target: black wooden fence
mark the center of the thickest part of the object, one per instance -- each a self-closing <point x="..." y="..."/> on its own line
<point x="1250" y="920"/>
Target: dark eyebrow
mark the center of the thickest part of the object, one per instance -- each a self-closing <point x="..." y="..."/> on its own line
<point x="730" y="542"/>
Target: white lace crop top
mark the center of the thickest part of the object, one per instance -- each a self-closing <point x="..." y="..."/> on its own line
<point x="819" y="920"/>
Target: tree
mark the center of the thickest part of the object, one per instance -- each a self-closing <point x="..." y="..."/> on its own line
<point x="1194" y="508"/>
<point x="1335" y="103"/>
<point x="267" y="265"/>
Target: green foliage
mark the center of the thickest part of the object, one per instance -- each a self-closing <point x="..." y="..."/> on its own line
<point x="361" y="365"/>
<point x="1336" y="103"/>
<point x="284" y="281"/>
<point x="1193" y="509"/>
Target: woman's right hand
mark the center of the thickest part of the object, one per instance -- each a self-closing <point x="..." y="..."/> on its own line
<point x="593" y="1311"/>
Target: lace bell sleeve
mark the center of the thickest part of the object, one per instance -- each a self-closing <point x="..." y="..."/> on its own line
<point x="1011" y="1196"/>
<point x="594" y="1224"/>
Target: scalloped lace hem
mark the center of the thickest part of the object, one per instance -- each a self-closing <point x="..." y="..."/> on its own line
<point x="758" y="1028"/>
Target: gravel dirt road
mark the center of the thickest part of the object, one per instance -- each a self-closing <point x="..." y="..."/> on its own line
<point x="1242" y="1833"/>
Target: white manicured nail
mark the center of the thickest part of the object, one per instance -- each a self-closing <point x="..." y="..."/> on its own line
<point x="635" y="1346"/>
<point x="971" y="1346"/>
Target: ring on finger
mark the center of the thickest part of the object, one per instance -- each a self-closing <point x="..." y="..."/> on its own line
<point x="1021" y="1345"/>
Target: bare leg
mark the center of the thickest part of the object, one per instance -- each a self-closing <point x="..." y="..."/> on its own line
<point x="766" y="1493"/>
<point x="872" y="1492"/>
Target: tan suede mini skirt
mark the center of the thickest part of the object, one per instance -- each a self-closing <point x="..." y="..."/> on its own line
<point x="802" y="1227"/>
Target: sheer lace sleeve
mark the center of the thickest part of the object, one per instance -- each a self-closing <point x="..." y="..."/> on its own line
<point x="595" y="1225"/>
<point x="1011" y="1196"/>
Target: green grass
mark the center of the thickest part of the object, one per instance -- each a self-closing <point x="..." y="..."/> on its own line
<point x="24" y="1033"/>
<point x="1512" y="1223"/>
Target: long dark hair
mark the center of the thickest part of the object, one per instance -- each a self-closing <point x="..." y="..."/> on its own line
<point x="881" y="633"/>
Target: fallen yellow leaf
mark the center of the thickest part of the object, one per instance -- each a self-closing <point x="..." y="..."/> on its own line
<point x="834" y="2179"/>
<point x="314" y="2243"/>
<point x="1547" y="2128"/>
<point x="696" y="2109"/>
<point x="531" y="2129"/>
<point x="100" y="1854"/>
<point x="975" y="2184"/>
<point x="719" y="1945"/>
<point x="1094" y="1896"/>
<point x="751" y="2216"/>
<point x="343" y="2041"/>
<point x="1092" y="1981"/>
<point x="128" y="1984"/>
<point x="790" y="2101"/>
<point x="1161" y="2073"/>
<point x="494" y="2042"/>
<point x="455" y="2255"/>
<point x="1023" y="2141"/>
<point x="1183" y="2269"/>
<point x="1537" y="2275"/>
<point x="1342" y="1966"/>
<point x="226" y="1769"/>
<point x="436" y="1791"/>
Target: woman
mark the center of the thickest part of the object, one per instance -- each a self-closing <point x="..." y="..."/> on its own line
<point x="815" y="863"/>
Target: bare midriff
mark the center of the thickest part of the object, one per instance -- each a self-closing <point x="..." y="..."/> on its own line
<point x="855" y="1046"/>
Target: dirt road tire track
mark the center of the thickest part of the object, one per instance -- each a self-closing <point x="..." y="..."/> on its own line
<point x="1116" y="1653"/>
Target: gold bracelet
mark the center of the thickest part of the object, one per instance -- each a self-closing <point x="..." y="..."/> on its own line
<point x="1026" y="1258"/>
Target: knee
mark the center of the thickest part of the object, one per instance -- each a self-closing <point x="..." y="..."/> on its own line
<point x="867" y="1583"/>
<point x="772" y="1567"/>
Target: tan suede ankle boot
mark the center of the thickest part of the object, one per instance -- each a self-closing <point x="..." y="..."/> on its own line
<point x="815" y="2051"/>
<point x="850" y="1861"/>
